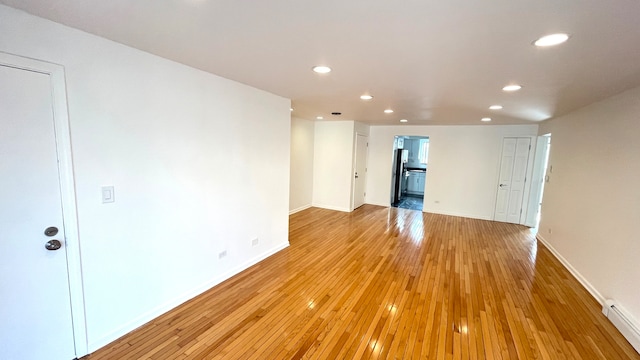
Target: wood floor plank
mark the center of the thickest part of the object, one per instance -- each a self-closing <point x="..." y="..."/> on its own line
<point x="387" y="283"/>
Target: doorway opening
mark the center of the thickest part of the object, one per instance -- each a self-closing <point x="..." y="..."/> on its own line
<point x="409" y="171"/>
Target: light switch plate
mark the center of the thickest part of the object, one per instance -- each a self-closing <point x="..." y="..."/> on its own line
<point x="108" y="194"/>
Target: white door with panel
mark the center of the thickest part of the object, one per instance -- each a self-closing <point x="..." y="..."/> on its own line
<point x="360" y="175"/>
<point x="511" y="183"/>
<point x="35" y="308"/>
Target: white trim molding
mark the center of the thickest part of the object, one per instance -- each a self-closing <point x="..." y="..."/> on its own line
<point x="181" y="299"/>
<point x="587" y="285"/>
<point x="330" y="207"/>
<point x="305" y="207"/>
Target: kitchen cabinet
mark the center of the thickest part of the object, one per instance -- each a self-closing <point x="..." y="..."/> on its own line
<point x="413" y="146"/>
<point x="421" y="179"/>
<point x="415" y="183"/>
<point x="415" y="149"/>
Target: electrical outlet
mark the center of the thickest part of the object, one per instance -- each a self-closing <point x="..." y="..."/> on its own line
<point x="437" y="201"/>
<point x="550" y="231"/>
<point x="222" y="254"/>
<point x="254" y="242"/>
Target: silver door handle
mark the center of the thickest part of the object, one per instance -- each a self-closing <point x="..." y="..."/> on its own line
<point x="503" y="185"/>
<point x="53" y="245"/>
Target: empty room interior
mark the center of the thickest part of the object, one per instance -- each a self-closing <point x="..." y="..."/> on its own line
<point x="208" y="179"/>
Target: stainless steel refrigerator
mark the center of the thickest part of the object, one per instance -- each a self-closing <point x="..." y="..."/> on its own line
<point x="399" y="160"/>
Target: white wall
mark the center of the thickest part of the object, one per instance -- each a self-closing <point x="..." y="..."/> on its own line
<point x="463" y="166"/>
<point x="301" y="178"/>
<point x="591" y="203"/>
<point x="199" y="163"/>
<point x="332" y="164"/>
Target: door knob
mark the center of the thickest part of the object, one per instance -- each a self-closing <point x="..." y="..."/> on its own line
<point x="51" y="231"/>
<point x="503" y="185"/>
<point x="53" y="245"/>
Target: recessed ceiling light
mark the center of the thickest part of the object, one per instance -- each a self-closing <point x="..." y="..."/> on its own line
<point x="321" y="69"/>
<point x="495" y="107"/>
<point x="551" y="40"/>
<point x="290" y="109"/>
<point x="366" y="97"/>
<point x="388" y="111"/>
<point x="319" y="118"/>
<point x="513" y="87"/>
<point x="404" y="120"/>
<point x="485" y="119"/>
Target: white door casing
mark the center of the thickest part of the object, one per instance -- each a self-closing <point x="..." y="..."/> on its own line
<point x="360" y="172"/>
<point x="514" y="166"/>
<point x="42" y="307"/>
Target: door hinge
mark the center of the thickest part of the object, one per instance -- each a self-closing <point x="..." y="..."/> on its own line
<point x="529" y="147"/>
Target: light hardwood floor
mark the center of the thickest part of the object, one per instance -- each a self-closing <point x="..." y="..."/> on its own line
<point x="387" y="283"/>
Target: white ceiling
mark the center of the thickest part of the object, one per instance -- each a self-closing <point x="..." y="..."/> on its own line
<point x="432" y="61"/>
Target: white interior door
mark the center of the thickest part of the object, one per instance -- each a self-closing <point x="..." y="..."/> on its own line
<point x="537" y="180"/>
<point x="35" y="308"/>
<point x="360" y="175"/>
<point x="512" y="179"/>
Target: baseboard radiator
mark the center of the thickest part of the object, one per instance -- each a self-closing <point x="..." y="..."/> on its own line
<point x="626" y="326"/>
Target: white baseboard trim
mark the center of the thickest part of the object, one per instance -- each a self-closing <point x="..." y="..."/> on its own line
<point x="330" y="207"/>
<point x="170" y="305"/>
<point x="377" y="204"/>
<point x="458" y="214"/>
<point x="450" y="213"/>
<point x="305" y="207"/>
<point x="619" y="317"/>
<point x="586" y="284"/>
